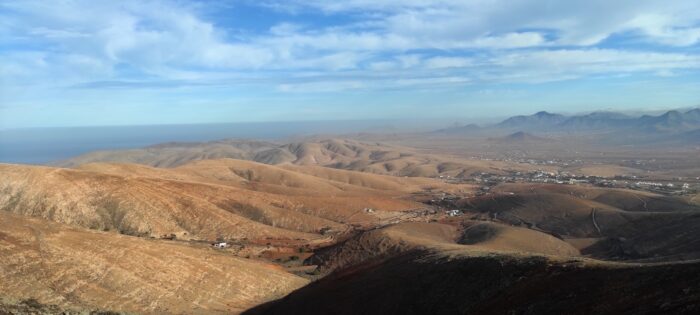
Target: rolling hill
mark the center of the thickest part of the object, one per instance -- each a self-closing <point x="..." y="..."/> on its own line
<point x="205" y="200"/>
<point x="612" y="224"/>
<point x="80" y="269"/>
<point x="446" y="278"/>
<point x="344" y="154"/>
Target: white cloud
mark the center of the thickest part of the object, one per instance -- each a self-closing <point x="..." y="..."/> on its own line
<point x="492" y="40"/>
<point x="566" y="64"/>
<point x="575" y="22"/>
<point x="447" y="62"/>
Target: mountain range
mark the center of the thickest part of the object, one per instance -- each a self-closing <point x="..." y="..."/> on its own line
<point x="669" y="123"/>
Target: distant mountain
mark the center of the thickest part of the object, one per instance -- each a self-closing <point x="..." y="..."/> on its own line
<point x="648" y="128"/>
<point x="519" y="137"/>
<point x="597" y="120"/>
<point x="538" y="121"/>
<point x="459" y="129"/>
<point x="671" y="121"/>
<point x="693" y="114"/>
<point x="690" y="137"/>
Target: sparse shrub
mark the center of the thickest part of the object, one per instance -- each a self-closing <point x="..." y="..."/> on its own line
<point x="32" y="303"/>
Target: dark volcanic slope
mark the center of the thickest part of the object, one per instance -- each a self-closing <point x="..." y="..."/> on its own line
<point x="426" y="282"/>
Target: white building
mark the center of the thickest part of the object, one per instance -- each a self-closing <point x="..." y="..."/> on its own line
<point x="454" y="212"/>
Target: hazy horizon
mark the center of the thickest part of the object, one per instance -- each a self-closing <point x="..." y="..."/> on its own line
<point x="421" y="124"/>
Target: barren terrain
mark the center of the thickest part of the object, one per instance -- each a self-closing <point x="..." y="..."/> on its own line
<point x="437" y="223"/>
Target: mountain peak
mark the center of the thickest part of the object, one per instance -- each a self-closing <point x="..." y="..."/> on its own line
<point x="543" y="113"/>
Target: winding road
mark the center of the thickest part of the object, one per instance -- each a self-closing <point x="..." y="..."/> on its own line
<point x="595" y="223"/>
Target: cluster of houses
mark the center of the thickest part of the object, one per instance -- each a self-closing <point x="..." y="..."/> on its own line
<point x="487" y="180"/>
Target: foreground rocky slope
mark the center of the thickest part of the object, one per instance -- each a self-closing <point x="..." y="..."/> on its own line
<point x="77" y="268"/>
<point x="459" y="282"/>
<point x="432" y="268"/>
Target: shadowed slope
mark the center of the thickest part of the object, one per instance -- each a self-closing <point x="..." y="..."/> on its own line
<point x="379" y="244"/>
<point x="456" y="282"/>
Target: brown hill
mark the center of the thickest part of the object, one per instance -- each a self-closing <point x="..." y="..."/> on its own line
<point x="151" y="206"/>
<point x="207" y="199"/>
<point x="75" y="268"/>
<point x="334" y="153"/>
<point x="482" y="268"/>
<point x="455" y="281"/>
<point x="603" y="223"/>
<point x="379" y="244"/>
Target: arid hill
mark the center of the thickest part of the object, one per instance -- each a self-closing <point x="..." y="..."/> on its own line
<point x="419" y="269"/>
<point x="344" y="154"/>
<point x="378" y="244"/>
<point x="605" y="223"/>
<point x="75" y="268"/>
<point x="209" y="199"/>
<point x="136" y="237"/>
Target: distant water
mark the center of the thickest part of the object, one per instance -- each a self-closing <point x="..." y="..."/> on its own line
<point x="44" y="145"/>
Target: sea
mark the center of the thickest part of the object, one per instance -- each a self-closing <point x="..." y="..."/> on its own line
<point x="47" y="145"/>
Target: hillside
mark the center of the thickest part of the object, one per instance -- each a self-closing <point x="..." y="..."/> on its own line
<point x="604" y="223"/>
<point x="478" y="236"/>
<point x="344" y="154"/>
<point x="538" y="121"/>
<point x="208" y="199"/>
<point x="447" y="278"/>
<point x="80" y="269"/>
<point x="446" y="281"/>
<point x="519" y="137"/>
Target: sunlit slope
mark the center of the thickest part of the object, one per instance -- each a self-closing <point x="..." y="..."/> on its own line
<point x="206" y="199"/>
<point x="73" y="267"/>
<point x="370" y="157"/>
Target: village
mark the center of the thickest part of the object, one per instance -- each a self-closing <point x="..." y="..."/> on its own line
<point x="675" y="186"/>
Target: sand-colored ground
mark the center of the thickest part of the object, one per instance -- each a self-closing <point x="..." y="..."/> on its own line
<point x="208" y="199"/>
<point x="78" y="268"/>
<point x="369" y="157"/>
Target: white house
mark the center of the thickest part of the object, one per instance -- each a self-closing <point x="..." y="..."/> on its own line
<point x="454" y="212"/>
<point x="221" y="245"/>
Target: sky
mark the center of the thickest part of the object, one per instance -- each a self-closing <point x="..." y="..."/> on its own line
<point x="90" y="63"/>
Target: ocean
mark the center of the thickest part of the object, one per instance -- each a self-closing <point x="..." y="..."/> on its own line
<point x="46" y="145"/>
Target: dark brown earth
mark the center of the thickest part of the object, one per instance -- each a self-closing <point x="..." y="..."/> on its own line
<point x="430" y="282"/>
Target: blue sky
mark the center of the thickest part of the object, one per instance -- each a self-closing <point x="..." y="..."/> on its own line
<point x="76" y="63"/>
